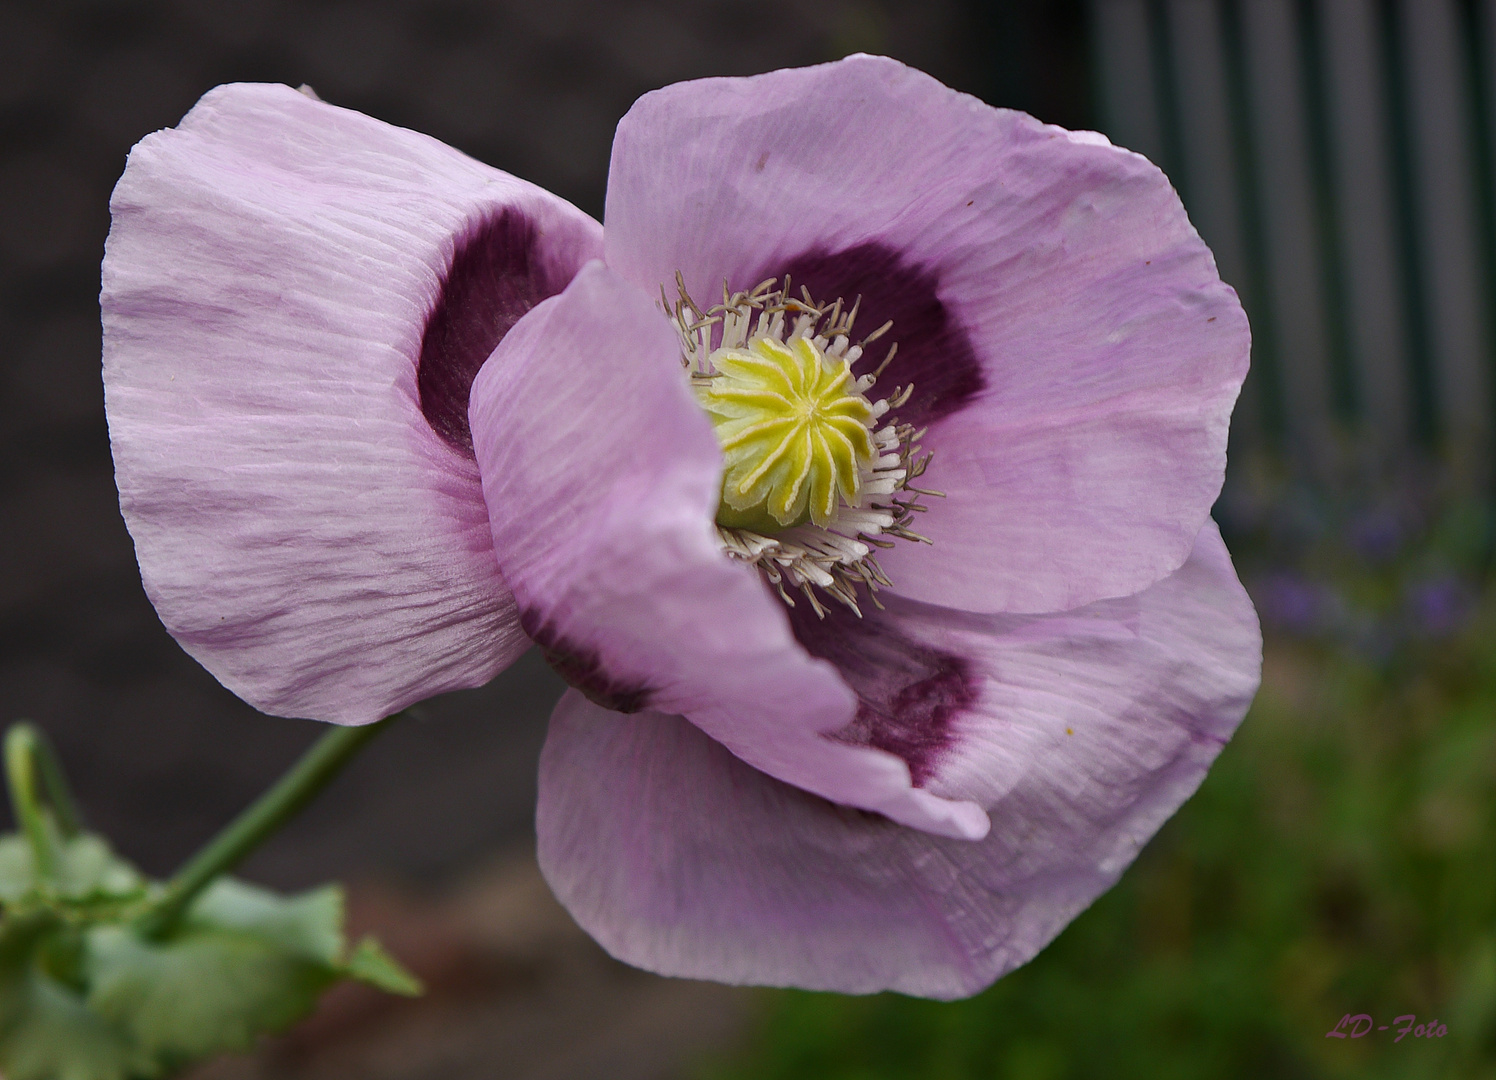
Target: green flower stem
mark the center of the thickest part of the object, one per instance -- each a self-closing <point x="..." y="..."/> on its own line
<point x="33" y="775"/>
<point x="269" y="812"/>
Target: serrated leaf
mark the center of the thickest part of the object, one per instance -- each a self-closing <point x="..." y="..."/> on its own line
<point x="309" y="925"/>
<point x="53" y="1035"/>
<point x="87" y="870"/>
<point x="19" y="938"/>
<point x="101" y="1002"/>
<point x="245" y="962"/>
<point x="17" y="872"/>
<point x="203" y="992"/>
<point x="369" y="963"/>
<point x="47" y="1032"/>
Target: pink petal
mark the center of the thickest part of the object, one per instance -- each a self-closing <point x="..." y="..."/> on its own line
<point x="973" y="703"/>
<point x="1060" y="320"/>
<point x="602" y="476"/>
<point x="679" y="858"/>
<point x="302" y="529"/>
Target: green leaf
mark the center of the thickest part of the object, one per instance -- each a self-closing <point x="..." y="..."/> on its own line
<point x="369" y="963"/>
<point x="309" y="925"/>
<point x="51" y="1034"/>
<point x="17" y="870"/>
<point x="47" y="1031"/>
<point x="87" y="870"/>
<point x="244" y="963"/>
<point x="85" y="996"/>
<point x="203" y="992"/>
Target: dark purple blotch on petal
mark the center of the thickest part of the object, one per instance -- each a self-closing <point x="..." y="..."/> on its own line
<point x="582" y="668"/>
<point x="935" y="351"/>
<point x="498" y="273"/>
<point x="908" y="694"/>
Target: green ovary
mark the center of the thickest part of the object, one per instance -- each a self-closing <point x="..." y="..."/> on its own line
<point x="794" y="430"/>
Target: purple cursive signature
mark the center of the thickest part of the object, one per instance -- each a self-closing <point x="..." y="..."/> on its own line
<point x="1353" y="1027"/>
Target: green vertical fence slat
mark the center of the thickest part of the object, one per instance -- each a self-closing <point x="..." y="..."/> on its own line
<point x="1335" y="156"/>
<point x="1366" y="237"/>
<point x="1344" y="393"/>
<point x="1285" y="190"/>
<point x="1479" y="29"/>
<point x="1122" y="40"/>
<point x="1439" y="100"/>
<point x="1210" y="167"/>
<point x="1265" y="379"/>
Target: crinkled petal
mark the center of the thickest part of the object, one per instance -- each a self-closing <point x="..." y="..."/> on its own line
<point x="302" y="529"/>
<point x="602" y="477"/>
<point x="974" y="703"/>
<point x="1092" y="727"/>
<point x="1061" y="322"/>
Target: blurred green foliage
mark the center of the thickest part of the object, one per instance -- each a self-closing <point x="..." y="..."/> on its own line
<point x="1339" y="858"/>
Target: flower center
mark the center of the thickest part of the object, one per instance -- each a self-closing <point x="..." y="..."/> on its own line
<point x="816" y="474"/>
<point x="795" y="432"/>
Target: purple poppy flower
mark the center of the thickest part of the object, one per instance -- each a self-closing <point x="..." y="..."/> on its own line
<point x="382" y="416"/>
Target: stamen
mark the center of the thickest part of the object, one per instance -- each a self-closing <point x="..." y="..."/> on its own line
<point x="814" y="468"/>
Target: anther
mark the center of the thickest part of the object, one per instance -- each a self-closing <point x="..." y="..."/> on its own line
<point x="813" y="466"/>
